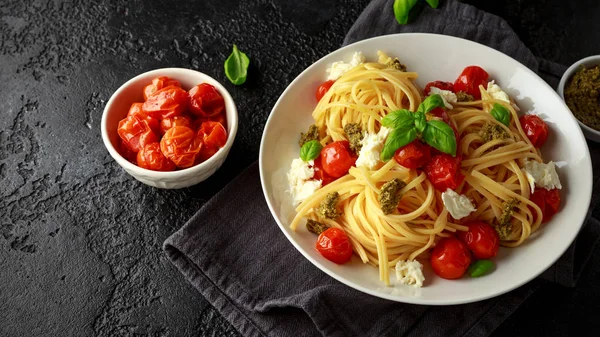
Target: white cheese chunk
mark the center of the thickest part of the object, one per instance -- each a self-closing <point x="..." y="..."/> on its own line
<point x="496" y="92"/>
<point x="301" y="186"/>
<point x="372" y="144"/>
<point x="447" y="95"/>
<point x="458" y="205"/>
<point x="339" y="68"/>
<point x="544" y="175"/>
<point x="410" y="273"/>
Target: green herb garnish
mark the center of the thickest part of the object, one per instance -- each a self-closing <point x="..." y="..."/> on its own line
<point x="480" y="268"/>
<point x="236" y="66"/>
<point x="501" y="114"/>
<point x="406" y="10"/>
<point x="440" y="136"/>
<point x="310" y="150"/>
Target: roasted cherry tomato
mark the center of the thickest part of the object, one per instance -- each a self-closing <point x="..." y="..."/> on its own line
<point x="323" y="89"/>
<point x="450" y="258"/>
<point x="205" y="100"/>
<point x="443" y="171"/>
<point x="181" y="145"/>
<point x="136" y="133"/>
<point x="214" y="137"/>
<point x="167" y="102"/>
<point x="126" y="152"/>
<point x="337" y="158"/>
<point x="548" y="201"/>
<point x="320" y="174"/>
<point x="136" y="109"/>
<point x="159" y="83"/>
<point x="170" y="122"/>
<point x="535" y="129"/>
<point x="439" y="113"/>
<point x="481" y="239"/>
<point x="413" y="155"/>
<point x="150" y="157"/>
<point x="440" y="85"/>
<point x="334" y="245"/>
<point x="470" y="79"/>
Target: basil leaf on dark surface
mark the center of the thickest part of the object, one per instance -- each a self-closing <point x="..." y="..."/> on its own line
<point x="440" y="136"/>
<point x="501" y="114"/>
<point x="433" y="3"/>
<point x="398" y="119"/>
<point x="396" y="139"/>
<point x="310" y="150"/>
<point x="431" y="102"/>
<point x="480" y="268"/>
<point x="420" y="121"/>
<point x="402" y="9"/>
<point x="236" y="66"/>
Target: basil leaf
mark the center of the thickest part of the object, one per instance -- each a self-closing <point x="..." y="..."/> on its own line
<point x="398" y="119"/>
<point x="480" y="268"/>
<point x="433" y="3"/>
<point x="501" y="114"/>
<point x="420" y="121"/>
<point x="431" y="102"/>
<point x="401" y="10"/>
<point x="236" y="66"/>
<point x="310" y="150"/>
<point x="441" y="136"/>
<point x="397" y="139"/>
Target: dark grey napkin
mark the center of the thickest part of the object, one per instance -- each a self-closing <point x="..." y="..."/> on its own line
<point x="233" y="252"/>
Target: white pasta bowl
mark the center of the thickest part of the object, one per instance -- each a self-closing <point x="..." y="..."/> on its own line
<point x="421" y="53"/>
<point x="131" y="91"/>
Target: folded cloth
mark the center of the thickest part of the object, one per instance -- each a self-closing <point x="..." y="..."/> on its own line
<point x="233" y="252"/>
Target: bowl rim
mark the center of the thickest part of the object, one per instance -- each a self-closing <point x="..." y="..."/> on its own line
<point x="151" y="174"/>
<point x="405" y="299"/>
<point x="567" y="75"/>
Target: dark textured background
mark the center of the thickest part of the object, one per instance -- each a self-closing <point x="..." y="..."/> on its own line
<point x="80" y="240"/>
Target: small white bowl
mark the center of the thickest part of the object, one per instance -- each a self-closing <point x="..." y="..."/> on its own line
<point x="588" y="62"/>
<point x="131" y="92"/>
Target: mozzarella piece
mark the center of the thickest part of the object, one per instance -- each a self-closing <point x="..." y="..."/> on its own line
<point x="372" y="144"/>
<point x="339" y="68"/>
<point x="544" y="175"/>
<point x="496" y="92"/>
<point x="458" y="205"/>
<point x="410" y="273"/>
<point x="301" y="186"/>
<point x="447" y="95"/>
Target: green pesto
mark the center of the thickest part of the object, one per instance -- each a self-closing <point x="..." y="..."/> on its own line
<point x="311" y="134"/>
<point x="315" y="226"/>
<point x="390" y="195"/>
<point x="582" y="95"/>
<point x="355" y="136"/>
<point x="493" y="131"/>
<point x="328" y="207"/>
<point x="395" y="64"/>
<point x="504" y="226"/>
<point x="462" y="96"/>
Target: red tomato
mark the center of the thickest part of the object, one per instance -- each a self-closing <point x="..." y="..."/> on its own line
<point x="205" y="100"/>
<point x="181" y="145"/>
<point x="323" y="89"/>
<point x="548" y="201"/>
<point x="337" y="158"/>
<point x="443" y="171"/>
<point x="159" y="83"/>
<point x="136" y="133"/>
<point x="170" y="122"/>
<point x="413" y="155"/>
<point x="214" y="137"/>
<point x="450" y="258"/>
<point x="440" y="85"/>
<point x="167" y="102"/>
<point x="441" y="114"/>
<point x="150" y="157"/>
<point x="136" y="110"/>
<point x="126" y="152"/>
<point x="535" y="129"/>
<point x="320" y="174"/>
<point x="470" y="79"/>
<point x="334" y="245"/>
<point x="481" y="238"/>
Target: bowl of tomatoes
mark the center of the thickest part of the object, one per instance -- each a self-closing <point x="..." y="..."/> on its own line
<point x="170" y="128"/>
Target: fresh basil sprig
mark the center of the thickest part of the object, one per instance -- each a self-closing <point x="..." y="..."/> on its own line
<point x="405" y="10"/>
<point x="310" y="150"/>
<point x="236" y="66"/>
<point x="480" y="268"/>
<point x="501" y="114"/>
<point x="407" y="126"/>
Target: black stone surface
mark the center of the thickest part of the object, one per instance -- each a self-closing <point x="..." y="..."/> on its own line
<point x="80" y="240"/>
